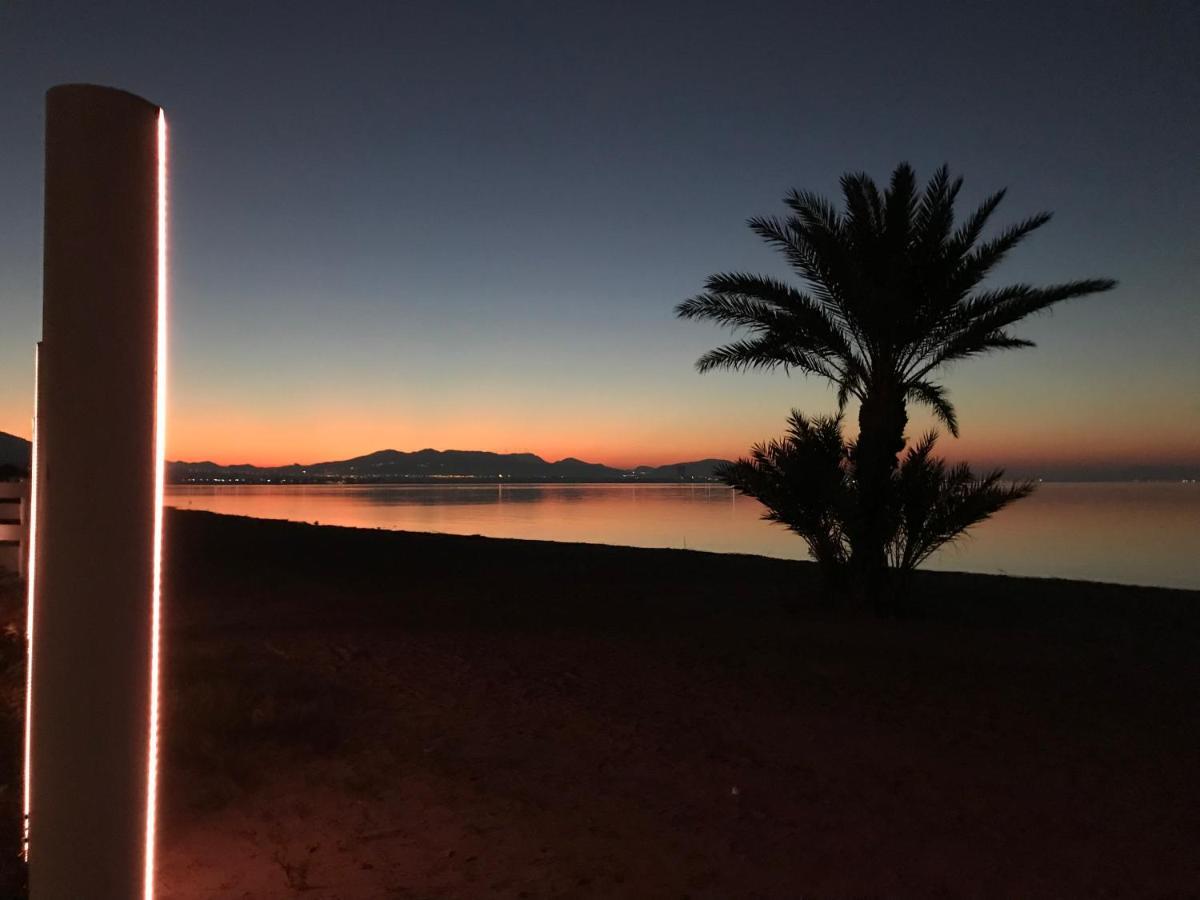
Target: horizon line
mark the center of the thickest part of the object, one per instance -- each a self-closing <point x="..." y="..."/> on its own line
<point x="1081" y="466"/>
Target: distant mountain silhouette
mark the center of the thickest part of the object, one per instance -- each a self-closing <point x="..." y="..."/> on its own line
<point x="701" y="468"/>
<point x="385" y="466"/>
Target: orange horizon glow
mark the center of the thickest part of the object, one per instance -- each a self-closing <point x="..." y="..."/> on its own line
<point x="980" y="453"/>
<point x="233" y="430"/>
<point x="240" y="437"/>
<point x="237" y="436"/>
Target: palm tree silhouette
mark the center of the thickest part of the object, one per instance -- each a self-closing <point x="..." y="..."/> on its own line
<point x="803" y="483"/>
<point x="893" y="294"/>
<point x="806" y="481"/>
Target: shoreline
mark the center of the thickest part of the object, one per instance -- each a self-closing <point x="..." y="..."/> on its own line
<point x="1111" y="594"/>
<point x="795" y="541"/>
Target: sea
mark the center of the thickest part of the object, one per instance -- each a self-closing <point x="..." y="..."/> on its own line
<point x="1145" y="533"/>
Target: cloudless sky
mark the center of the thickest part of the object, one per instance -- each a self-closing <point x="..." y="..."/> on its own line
<point x="465" y="225"/>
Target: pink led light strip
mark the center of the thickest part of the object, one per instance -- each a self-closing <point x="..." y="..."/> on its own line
<point x="31" y="579"/>
<point x="160" y="445"/>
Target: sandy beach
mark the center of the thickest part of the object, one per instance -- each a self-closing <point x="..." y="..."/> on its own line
<point x="359" y="714"/>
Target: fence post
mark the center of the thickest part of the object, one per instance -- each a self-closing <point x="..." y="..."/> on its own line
<point x="13" y="542"/>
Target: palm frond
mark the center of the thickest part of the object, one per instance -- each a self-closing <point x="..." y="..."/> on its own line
<point x="978" y="263"/>
<point x="972" y="228"/>
<point x="1005" y="306"/>
<point x="804" y="313"/>
<point x="814" y="211"/>
<point x="733" y="310"/>
<point x="822" y="260"/>
<point x="764" y="352"/>
<point x="802" y="482"/>
<point x="900" y="204"/>
<point x="937" y="399"/>
<point x="937" y="504"/>
<point x="934" y="216"/>
<point x="864" y="208"/>
<point x="801" y="256"/>
<point x="974" y="341"/>
<point x="978" y="325"/>
<point x="845" y="391"/>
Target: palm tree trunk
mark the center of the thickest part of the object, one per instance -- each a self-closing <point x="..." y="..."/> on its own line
<point x="882" y="419"/>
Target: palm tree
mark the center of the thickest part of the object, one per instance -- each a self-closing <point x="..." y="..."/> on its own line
<point x="807" y="483"/>
<point x="803" y="481"/>
<point x="935" y="503"/>
<point x="893" y="293"/>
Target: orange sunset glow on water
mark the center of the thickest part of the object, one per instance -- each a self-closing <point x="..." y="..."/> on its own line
<point x="1136" y="534"/>
<point x="621" y="436"/>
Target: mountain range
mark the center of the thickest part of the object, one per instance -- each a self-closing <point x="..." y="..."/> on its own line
<point x="385" y="466"/>
<point x="397" y="466"/>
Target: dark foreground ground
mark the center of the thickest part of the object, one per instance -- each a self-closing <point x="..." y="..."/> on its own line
<point x="360" y="714"/>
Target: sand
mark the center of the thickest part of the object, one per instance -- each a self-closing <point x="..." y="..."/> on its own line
<point x="360" y="714"/>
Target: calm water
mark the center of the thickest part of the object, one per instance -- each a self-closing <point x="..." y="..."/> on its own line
<point x="1130" y="533"/>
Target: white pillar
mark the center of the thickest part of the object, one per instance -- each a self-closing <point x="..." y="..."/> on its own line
<point x="91" y="766"/>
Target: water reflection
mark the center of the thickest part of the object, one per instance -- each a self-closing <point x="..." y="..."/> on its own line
<point x="1132" y="533"/>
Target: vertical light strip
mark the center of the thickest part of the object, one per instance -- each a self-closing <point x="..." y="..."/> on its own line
<point x="160" y="446"/>
<point x="31" y="585"/>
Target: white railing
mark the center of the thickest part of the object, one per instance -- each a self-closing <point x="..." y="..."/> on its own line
<point x="14" y="525"/>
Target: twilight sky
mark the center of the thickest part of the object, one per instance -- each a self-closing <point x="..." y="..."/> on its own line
<point x="465" y="225"/>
